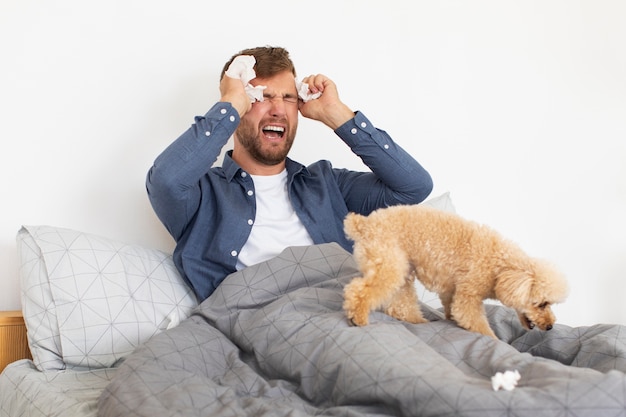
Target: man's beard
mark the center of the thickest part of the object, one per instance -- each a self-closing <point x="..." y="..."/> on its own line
<point x="269" y="154"/>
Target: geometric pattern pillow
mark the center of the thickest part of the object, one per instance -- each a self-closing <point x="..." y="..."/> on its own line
<point x="88" y="301"/>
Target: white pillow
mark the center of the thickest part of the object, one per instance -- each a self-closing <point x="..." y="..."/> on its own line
<point x="442" y="202"/>
<point x="88" y="301"/>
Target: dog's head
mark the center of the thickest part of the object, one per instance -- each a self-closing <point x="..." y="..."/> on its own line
<point x="531" y="290"/>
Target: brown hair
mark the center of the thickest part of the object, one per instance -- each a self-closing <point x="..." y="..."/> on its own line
<point x="269" y="61"/>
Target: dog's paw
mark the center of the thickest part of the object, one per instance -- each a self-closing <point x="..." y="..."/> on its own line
<point x="482" y="329"/>
<point x="416" y="320"/>
<point x="357" y="319"/>
<point x="409" y="313"/>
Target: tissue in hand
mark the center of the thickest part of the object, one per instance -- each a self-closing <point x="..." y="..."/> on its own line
<point x="303" y="92"/>
<point x="242" y="67"/>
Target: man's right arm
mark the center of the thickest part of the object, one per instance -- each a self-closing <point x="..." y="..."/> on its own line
<point x="173" y="182"/>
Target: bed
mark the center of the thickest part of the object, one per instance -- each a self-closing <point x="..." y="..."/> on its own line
<point x="272" y="340"/>
<point x="88" y="301"/>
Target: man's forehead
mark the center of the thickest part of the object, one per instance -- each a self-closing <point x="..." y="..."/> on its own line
<point x="280" y="83"/>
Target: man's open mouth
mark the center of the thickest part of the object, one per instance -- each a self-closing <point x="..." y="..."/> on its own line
<point x="274" y="132"/>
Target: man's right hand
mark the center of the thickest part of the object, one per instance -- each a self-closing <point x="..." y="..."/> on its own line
<point x="233" y="91"/>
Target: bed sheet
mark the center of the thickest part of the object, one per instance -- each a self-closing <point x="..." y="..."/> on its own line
<point x="28" y="392"/>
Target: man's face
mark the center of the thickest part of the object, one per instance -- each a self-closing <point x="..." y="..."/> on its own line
<point x="268" y="130"/>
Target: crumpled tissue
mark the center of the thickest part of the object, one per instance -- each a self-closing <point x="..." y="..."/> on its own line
<point x="507" y="380"/>
<point x="303" y="92"/>
<point x="242" y="68"/>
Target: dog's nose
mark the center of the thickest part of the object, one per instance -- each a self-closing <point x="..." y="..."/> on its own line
<point x="549" y="327"/>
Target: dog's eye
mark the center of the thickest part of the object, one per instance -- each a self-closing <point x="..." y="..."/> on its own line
<point x="543" y="305"/>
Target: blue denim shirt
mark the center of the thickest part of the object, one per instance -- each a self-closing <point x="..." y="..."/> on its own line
<point x="210" y="210"/>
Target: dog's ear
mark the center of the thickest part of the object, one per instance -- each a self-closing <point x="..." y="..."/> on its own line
<point x="551" y="284"/>
<point x="513" y="287"/>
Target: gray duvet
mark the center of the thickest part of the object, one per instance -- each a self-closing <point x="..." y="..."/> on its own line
<point x="273" y="341"/>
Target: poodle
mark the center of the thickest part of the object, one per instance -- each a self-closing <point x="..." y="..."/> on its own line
<point x="462" y="261"/>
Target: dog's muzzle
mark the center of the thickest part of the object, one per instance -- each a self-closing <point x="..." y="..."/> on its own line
<point x="529" y="324"/>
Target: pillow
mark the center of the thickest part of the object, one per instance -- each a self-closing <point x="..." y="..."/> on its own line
<point x="88" y="301"/>
<point x="441" y="202"/>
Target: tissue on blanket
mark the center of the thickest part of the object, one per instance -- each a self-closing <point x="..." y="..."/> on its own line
<point x="242" y="67"/>
<point x="507" y="380"/>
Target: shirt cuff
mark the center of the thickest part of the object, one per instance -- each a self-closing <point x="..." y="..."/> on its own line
<point x="359" y="129"/>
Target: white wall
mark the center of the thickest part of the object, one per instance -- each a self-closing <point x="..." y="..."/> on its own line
<point x="517" y="108"/>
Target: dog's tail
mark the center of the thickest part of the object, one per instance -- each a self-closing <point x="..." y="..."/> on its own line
<point x="353" y="225"/>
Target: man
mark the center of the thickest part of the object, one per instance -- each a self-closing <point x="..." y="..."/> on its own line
<point x="260" y="201"/>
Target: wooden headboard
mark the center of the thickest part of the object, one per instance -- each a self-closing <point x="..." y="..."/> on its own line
<point x="13" y="341"/>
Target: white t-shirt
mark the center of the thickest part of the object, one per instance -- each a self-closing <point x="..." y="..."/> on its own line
<point x="276" y="225"/>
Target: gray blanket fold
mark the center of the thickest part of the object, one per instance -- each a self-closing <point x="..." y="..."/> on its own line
<point x="273" y="341"/>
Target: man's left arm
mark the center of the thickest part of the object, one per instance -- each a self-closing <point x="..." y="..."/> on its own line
<point x="396" y="177"/>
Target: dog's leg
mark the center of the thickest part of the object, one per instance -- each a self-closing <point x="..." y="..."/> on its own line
<point x="469" y="313"/>
<point x="381" y="280"/>
<point x="355" y="304"/>
<point x="404" y="305"/>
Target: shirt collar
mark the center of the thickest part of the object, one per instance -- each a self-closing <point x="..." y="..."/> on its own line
<point x="231" y="168"/>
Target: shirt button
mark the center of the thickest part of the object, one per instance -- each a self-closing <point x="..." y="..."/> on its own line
<point x="244" y="174"/>
<point x="207" y="133"/>
<point x="250" y="221"/>
<point x="353" y="131"/>
<point x="233" y="253"/>
<point x="232" y="118"/>
<point x="386" y="146"/>
<point x="250" y="192"/>
<point x="223" y="111"/>
<point x="363" y="125"/>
